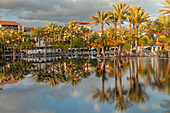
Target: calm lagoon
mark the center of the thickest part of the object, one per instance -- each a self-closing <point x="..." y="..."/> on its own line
<point x="131" y="85"/>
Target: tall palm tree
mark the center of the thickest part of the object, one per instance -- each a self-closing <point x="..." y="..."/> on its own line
<point x="114" y="20"/>
<point x="101" y="19"/>
<point x="139" y="16"/>
<point x="120" y="11"/>
<point x="53" y="32"/>
<point x="167" y="7"/>
<point x="131" y="32"/>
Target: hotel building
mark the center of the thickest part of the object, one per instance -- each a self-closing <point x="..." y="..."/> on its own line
<point x="11" y="25"/>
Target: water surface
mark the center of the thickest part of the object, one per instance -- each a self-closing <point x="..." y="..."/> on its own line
<point x="131" y="85"/>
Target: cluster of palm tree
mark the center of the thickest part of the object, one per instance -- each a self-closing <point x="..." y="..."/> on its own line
<point x="54" y="35"/>
<point x="141" y="31"/>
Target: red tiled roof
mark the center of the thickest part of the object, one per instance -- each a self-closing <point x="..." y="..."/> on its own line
<point x="28" y="28"/>
<point x="11" y="82"/>
<point x="101" y="31"/>
<point x="9" y="23"/>
<point x="83" y="22"/>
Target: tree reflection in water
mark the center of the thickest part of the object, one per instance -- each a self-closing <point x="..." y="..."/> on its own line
<point x="131" y="76"/>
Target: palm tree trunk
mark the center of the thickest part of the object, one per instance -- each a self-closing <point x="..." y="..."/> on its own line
<point x="45" y="48"/>
<point x="114" y="50"/>
<point x="83" y="47"/>
<point x="130" y="29"/>
<point x="20" y="47"/>
<point x="39" y="47"/>
<point x="136" y="40"/>
<point x="133" y="27"/>
<point x="157" y="38"/>
<point x="120" y="28"/>
<point x="103" y="50"/>
<point x="32" y="54"/>
<point x="4" y="56"/>
<point x="53" y="48"/>
<point x="151" y="44"/>
<point x="102" y="30"/>
<point x="119" y="50"/>
<point x="98" y="52"/>
<point x="142" y="50"/>
<point x="71" y="45"/>
<point x="12" y="50"/>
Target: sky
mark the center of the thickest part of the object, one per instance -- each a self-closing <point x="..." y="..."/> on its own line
<point x="34" y="13"/>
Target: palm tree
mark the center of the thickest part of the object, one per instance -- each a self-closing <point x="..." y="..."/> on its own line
<point x="63" y="29"/>
<point x="72" y="28"/>
<point x="112" y="39"/>
<point x="165" y="21"/>
<point x="113" y="19"/>
<point x="46" y="42"/>
<point x="12" y="36"/>
<point x="144" y="41"/>
<point x="20" y="35"/>
<point x="101" y="19"/>
<point x="149" y="31"/>
<point x="131" y="32"/>
<point x="52" y="27"/>
<point x="101" y="42"/>
<point x="38" y="33"/>
<point x="123" y="41"/>
<point x="139" y="16"/>
<point x="3" y="36"/>
<point x="84" y="31"/>
<point x="167" y="7"/>
<point x="157" y="29"/>
<point x="120" y="11"/>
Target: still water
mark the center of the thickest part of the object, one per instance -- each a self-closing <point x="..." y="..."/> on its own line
<point x="131" y="85"/>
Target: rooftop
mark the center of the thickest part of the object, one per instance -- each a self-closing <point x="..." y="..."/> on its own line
<point x="101" y="31"/>
<point x="83" y="22"/>
<point x="2" y="22"/>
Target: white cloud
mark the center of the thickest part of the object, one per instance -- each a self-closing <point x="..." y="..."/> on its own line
<point x="96" y="107"/>
<point x="65" y="10"/>
<point x="156" y="106"/>
<point x="144" y="107"/>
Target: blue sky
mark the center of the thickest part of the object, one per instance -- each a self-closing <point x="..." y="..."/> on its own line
<point x="36" y="13"/>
